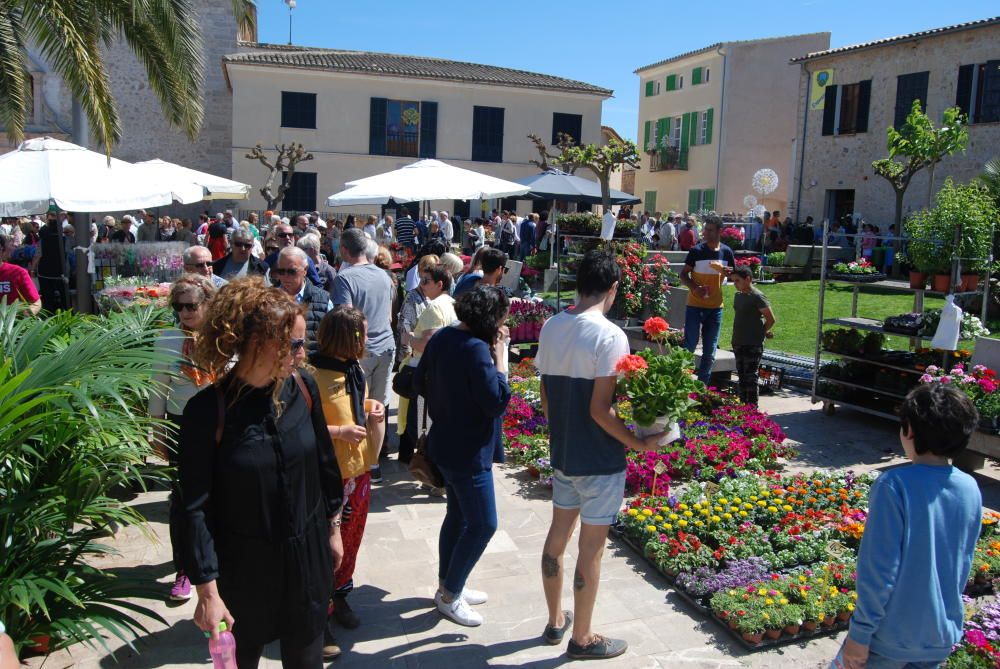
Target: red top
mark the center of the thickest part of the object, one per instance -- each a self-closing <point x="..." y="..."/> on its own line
<point x="686" y="239"/>
<point x="16" y="284"/>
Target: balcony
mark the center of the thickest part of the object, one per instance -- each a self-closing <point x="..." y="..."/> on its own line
<point x="668" y="158"/>
<point x="402" y="143"/>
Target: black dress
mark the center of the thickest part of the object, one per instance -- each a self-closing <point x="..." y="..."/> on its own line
<point x="256" y="508"/>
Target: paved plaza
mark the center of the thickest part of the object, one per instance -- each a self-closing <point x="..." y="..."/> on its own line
<point x="396" y="578"/>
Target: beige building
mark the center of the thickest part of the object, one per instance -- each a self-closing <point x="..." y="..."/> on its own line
<point x="849" y="96"/>
<point x="710" y="118"/>
<point x="363" y="113"/>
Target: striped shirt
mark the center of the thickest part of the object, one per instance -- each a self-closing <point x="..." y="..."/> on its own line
<point x="406" y="232"/>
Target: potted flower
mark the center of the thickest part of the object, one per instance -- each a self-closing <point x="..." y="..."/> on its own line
<point x="658" y="385"/>
<point x="733" y="237"/>
<point x="751" y="625"/>
<point x="857" y="270"/>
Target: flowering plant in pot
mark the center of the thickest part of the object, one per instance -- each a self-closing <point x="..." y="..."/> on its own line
<point x="855" y="267"/>
<point x="659" y="386"/>
<point x="733" y="237"/>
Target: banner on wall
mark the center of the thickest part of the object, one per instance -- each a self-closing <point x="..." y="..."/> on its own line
<point x="820" y="80"/>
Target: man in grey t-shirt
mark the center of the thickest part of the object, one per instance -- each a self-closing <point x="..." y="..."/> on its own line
<point x="369" y="288"/>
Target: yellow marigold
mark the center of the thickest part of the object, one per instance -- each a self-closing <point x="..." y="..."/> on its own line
<point x="682" y="506"/>
<point x="682" y="523"/>
<point x="673" y="516"/>
<point x="716" y="519"/>
<point x="658" y="518"/>
<point x="786" y="507"/>
<point x="772" y="509"/>
<point x="727" y="516"/>
<point x="633" y="512"/>
<point x="647" y="512"/>
<point x="743" y="514"/>
<point x="650" y="528"/>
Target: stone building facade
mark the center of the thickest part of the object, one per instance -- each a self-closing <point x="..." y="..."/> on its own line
<point x="867" y="84"/>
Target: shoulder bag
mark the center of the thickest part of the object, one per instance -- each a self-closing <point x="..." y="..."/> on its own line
<point x="421" y="467"/>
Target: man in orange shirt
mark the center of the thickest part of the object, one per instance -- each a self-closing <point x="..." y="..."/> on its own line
<point x="706" y="267"/>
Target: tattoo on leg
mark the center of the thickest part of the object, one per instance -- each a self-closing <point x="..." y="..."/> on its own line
<point x="550" y="566"/>
<point x="578" y="582"/>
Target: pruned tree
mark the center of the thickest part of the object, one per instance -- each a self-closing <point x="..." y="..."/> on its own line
<point x="560" y="160"/>
<point x="920" y="145"/>
<point x="602" y="161"/>
<point x="288" y="156"/>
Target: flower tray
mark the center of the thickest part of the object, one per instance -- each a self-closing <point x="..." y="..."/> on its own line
<point x="857" y="278"/>
<point x="698" y="605"/>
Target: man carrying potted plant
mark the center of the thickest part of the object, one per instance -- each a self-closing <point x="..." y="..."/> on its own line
<point x="578" y="352"/>
<point x="705" y="268"/>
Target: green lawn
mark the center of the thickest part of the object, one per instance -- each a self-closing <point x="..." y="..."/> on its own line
<point x="796" y="308"/>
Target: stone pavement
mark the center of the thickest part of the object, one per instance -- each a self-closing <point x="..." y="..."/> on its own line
<point x="396" y="578"/>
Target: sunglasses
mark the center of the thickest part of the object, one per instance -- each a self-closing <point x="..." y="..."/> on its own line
<point x="185" y="306"/>
<point x="243" y="245"/>
<point x="297" y="345"/>
<point x="277" y="271"/>
<point x="284" y="235"/>
<point x="200" y="265"/>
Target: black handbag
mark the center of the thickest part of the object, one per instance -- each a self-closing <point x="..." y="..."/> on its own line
<point x="402" y="382"/>
<point x="421" y="467"/>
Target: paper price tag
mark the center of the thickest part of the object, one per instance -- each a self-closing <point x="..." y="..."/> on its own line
<point x="711" y="489"/>
<point x="835" y="549"/>
<point x="660" y="467"/>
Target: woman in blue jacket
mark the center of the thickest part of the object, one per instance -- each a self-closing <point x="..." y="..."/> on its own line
<point x="467" y="361"/>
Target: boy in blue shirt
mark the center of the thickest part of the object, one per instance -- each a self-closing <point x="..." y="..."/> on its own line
<point x="923" y="524"/>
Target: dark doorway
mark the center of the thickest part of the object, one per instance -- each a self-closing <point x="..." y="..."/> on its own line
<point x="839" y="205"/>
<point x="460" y="208"/>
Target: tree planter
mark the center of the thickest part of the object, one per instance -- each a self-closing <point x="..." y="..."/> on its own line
<point x="941" y="283"/>
<point x="918" y="279"/>
<point x="970" y="282"/>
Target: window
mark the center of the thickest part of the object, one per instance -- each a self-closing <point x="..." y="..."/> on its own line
<point x="672" y="82"/>
<point x="696" y="76"/>
<point x="567" y="124"/>
<point x="402" y="128"/>
<point x="909" y="87"/>
<point x="701" y="200"/>
<point x="649" y="201"/>
<point x="675" y="132"/>
<point x="703" y="127"/>
<point x="704" y="75"/>
<point x="680" y="81"/>
<point x="298" y="110"/>
<point x="978" y="93"/>
<point x="301" y="193"/>
<point x="652" y="88"/>
<point x="487" y="134"/>
<point x="845" y="108"/>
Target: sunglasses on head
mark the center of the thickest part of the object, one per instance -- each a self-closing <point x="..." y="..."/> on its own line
<point x="243" y="245"/>
<point x="185" y="306"/>
<point x="201" y="265"/>
<point x="278" y="271"/>
<point x="297" y="345"/>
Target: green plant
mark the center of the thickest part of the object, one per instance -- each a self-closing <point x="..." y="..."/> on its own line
<point x="73" y="431"/>
<point x="659" y="385"/>
<point x="921" y="145"/>
<point x="968" y="208"/>
<point x="776" y="259"/>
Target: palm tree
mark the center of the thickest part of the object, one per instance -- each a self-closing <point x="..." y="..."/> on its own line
<point x="164" y="35"/>
<point x="991" y="177"/>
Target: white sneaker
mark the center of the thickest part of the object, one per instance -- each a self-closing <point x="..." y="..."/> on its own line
<point x="474" y="597"/>
<point x="459" y="611"/>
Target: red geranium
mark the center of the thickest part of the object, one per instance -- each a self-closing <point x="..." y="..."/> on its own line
<point x="630" y="364"/>
<point x="655" y="326"/>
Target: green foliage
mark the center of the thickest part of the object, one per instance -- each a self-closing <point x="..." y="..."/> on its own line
<point x="165" y="36"/>
<point x="967" y="207"/>
<point x="73" y="431"/>
<point x="664" y="388"/>
<point x="991" y="178"/>
<point x="919" y="144"/>
<point x="602" y="161"/>
<point x="776" y="259"/>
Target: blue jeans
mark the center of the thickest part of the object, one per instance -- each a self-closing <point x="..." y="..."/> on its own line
<point x="469" y="523"/>
<point x="705" y="323"/>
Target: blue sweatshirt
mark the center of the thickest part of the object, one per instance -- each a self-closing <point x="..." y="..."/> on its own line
<point x="914" y="561"/>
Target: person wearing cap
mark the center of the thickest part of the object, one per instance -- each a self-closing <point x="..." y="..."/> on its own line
<point x="149" y="230"/>
<point x="124" y="234"/>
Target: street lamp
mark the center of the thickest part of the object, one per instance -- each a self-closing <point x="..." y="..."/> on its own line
<point x="291" y="6"/>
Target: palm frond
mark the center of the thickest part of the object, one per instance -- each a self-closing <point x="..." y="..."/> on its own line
<point x="15" y="81"/>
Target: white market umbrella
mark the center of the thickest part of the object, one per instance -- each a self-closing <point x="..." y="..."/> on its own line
<point x="191" y="185"/>
<point x="76" y="179"/>
<point x="425" y="180"/>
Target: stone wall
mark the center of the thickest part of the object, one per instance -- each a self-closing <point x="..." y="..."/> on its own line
<point x="844" y="161"/>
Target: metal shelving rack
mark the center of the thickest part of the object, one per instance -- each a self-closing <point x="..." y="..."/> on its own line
<point x="558" y="253"/>
<point x="872" y="325"/>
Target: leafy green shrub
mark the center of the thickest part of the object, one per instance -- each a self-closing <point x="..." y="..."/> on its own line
<point x="776" y="259"/>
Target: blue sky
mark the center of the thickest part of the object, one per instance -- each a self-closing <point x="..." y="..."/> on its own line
<point x="601" y="43"/>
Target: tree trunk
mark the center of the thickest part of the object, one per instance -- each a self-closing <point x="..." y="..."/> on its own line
<point x="605" y="180"/>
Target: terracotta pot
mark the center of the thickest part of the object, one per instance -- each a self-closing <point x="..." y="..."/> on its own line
<point x="843" y="615"/>
<point x="753" y="639"/>
<point x="828" y="621"/>
<point x="792" y="630"/>
<point x="724" y="615"/>
<point x="809" y="625"/>
<point x="732" y="624"/>
<point x="534" y="472"/>
<point x="773" y="634"/>
<point x="980" y="580"/>
<point x="970" y="282"/>
<point x="918" y="279"/>
<point x="941" y="283"/>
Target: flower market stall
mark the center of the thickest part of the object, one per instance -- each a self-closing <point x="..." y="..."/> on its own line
<point x="127" y="275"/>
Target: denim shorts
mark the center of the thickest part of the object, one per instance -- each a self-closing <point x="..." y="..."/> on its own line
<point x="599" y="497"/>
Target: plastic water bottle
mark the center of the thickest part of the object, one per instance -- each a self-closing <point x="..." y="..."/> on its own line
<point x="223" y="650"/>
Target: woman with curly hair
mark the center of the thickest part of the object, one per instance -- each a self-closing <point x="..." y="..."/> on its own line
<point x="464" y="438"/>
<point x="177" y="380"/>
<point x="261" y="487"/>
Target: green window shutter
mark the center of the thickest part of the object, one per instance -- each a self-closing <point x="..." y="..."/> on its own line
<point x="662" y="132"/>
<point x="682" y="161"/>
<point x="649" y="201"/>
<point x="708" y="126"/>
<point x="693" y="197"/>
<point x="645" y="135"/>
<point x="693" y="137"/>
<point x="708" y="197"/>
<point x="672" y="82"/>
<point x="696" y="76"/>
<point x="649" y="88"/>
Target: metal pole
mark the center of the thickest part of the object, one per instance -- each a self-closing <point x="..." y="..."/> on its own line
<point x="81" y="222"/>
<point x="819" y="315"/>
<point x="986" y="287"/>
